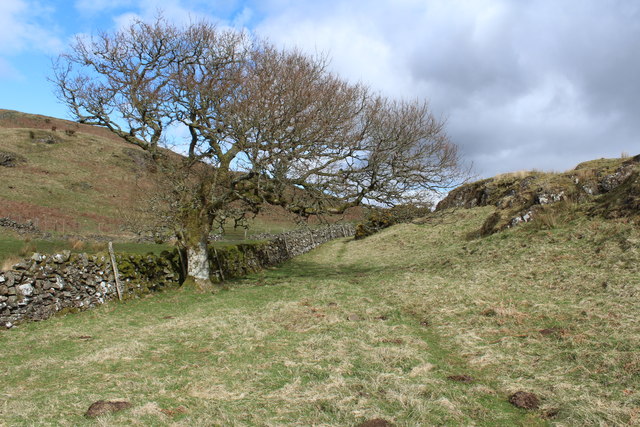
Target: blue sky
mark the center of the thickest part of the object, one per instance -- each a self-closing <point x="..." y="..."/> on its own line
<point x="539" y="84"/>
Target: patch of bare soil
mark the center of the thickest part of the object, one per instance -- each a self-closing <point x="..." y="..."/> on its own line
<point x="102" y="407"/>
<point x="461" y="378"/>
<point x="376" y="422"/>
<point x="524" y="400"/>
<point x="174" y="411"/>
<point x="551" y="413"/>
<point x="551" y="332"/>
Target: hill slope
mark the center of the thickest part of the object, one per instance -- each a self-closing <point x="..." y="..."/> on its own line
<point x="66" y="174"/>
<point x="416" y="325"/>
<point x="67" y="177"/>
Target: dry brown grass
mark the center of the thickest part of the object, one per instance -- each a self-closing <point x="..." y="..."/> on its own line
<point x="76" y="244"/>
<point x="9" y="262"/>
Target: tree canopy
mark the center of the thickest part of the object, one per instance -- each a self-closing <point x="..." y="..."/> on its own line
<point x="262" y="125"/>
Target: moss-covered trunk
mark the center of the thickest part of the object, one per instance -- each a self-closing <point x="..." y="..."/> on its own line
<point x="195" y="242"/>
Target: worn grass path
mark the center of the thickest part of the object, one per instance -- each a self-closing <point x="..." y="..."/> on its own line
<point x="349" y="332"/>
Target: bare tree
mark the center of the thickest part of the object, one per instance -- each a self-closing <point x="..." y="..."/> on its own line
<point x="265" y="126"/>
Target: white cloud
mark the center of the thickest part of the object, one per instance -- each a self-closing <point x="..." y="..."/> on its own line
<point x="539" y="83"/>
<point x="523" y="84"/>
<point x="23" y="25"/>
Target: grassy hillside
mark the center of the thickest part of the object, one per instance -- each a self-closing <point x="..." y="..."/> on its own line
<point x="69" y="178"/>
<point x="67" y="175"/>
<point x="358" y="330"/>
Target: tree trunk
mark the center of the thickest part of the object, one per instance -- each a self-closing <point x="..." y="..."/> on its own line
<point x="196" y="244"/>
<point x="198" y="269"/>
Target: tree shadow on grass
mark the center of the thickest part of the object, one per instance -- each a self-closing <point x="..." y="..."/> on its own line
<point x="306" y="270"/>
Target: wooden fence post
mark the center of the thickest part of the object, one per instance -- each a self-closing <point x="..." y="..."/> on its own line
<point x="115" y="270"/>
<point x="215" y="252"/>
<point x="286" y="246"/>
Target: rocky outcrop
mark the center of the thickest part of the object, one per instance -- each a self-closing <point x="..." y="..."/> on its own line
<point x="539" y="188"/>
<point x="521" y="194"/>
<point x="10" y="160"/>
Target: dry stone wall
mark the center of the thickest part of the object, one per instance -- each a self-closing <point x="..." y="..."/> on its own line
<point x="43" y="285"/>
<point x="21" y="228"/>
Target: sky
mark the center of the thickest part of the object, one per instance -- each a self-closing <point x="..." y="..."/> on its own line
<point x="535" y="84"/>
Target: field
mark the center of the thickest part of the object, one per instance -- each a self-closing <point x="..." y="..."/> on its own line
<point x="358" y="330"/>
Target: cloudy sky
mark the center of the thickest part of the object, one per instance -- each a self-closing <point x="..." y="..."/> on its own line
<point x="541" y="84"/>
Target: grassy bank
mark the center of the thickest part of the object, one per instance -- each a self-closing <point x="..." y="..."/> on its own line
<point x="358" y="330"/>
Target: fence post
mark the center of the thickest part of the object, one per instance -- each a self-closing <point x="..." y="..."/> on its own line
<point x="215" y="252"/>
<point x="286" y="246"/>
<point x="115" y="270"/>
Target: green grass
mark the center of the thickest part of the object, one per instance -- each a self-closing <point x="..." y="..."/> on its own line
<point x="13" y="248"/>
<point x="359" y="330"/>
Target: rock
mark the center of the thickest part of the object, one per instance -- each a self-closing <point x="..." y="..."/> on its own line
<point x="524" y="400"/>
<point x="10" y="160"/>
<point x="21" y="266"/>
<point x="546" y="198"/>
<point x="10" y="279"/>
<point x="26" y="289"/>
<point x="60" y="283"/>
<point x="102" y="407"/>
<point x="37" y="257"/>
<point x="64" y="256"/>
